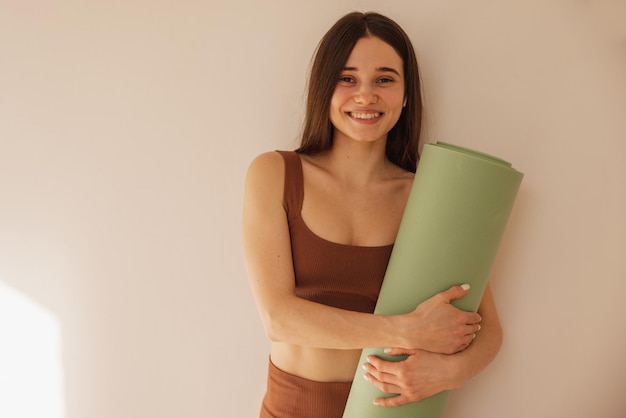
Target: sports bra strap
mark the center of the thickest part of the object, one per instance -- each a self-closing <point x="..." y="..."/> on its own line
<point x="293" y="192"/>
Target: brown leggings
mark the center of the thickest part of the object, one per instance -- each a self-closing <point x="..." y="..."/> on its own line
<point x="290" y="396"/>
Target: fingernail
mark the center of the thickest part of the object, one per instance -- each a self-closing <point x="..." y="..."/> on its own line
<point x="465" y="286"/>
<point x="479" y="327"/>
<point x="387" y="350"/>
<point x="366" y="378"/>
<point x="376" y="403"/>
<point x="364" y="367"/>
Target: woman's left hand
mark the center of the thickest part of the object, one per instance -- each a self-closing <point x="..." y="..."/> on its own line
<point x="420" y="375"/>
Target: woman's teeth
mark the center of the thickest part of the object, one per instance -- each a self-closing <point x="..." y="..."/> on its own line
<point x="358" y="115"/>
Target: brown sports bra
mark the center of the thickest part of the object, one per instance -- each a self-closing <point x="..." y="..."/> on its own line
<point x="339" y="275"/>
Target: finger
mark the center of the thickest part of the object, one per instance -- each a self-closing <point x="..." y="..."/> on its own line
<point x="464" y="347"/>
<point x="391" y="401"/>
<point x="455" y="292"/>
<point x="473" y="318"/>
<point x="395" y="351"/>
<point x="465" y="342"/>
<point x="472" y="329"/>
<point x="383" y="366"/>
<point x="379" y="375"/>
<point x="470" y="318"/>
<point x="377" y="362"/>
<point x="383" y="386"/>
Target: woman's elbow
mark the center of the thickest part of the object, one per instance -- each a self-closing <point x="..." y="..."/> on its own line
<point x="274" y="327"/>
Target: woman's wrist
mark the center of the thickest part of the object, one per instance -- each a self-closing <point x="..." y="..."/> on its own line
<point x="402" y="332"/>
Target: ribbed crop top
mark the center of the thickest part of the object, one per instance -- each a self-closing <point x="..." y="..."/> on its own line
<point x="339" y="275"/>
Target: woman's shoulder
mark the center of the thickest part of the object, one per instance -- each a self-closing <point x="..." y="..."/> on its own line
<point x="267" y="168"/>
<point x="266" y="162"/>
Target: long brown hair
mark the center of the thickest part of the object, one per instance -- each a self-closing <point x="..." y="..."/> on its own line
<point x="330" y="58"/>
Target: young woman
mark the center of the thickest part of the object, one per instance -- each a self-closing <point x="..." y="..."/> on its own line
<point x="318" y="229"/>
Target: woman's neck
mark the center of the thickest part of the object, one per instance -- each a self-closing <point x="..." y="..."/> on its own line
<point x="358" y="163"/>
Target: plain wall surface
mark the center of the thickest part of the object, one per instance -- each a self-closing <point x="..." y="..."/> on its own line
<point x="126" y="128"/>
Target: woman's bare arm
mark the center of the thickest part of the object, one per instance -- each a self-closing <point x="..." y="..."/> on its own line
<point x="434" y="325"/>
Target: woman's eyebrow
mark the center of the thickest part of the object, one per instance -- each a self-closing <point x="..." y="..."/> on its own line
<point x="379" y="69"/>
<point x="388" y="70"/>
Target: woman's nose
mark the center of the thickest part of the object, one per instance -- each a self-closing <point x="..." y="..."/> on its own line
<point x="365" y="95"/>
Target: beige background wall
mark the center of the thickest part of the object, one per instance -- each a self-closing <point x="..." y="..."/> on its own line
<point x="125" y="131"/>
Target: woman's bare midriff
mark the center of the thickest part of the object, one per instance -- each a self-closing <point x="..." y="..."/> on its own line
<point x="319" y="364"/>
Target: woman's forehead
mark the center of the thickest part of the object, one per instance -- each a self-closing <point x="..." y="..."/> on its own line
<point x="372" y="53"/>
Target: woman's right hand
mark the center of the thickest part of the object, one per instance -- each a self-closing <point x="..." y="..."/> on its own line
<point x="439" y="327"/>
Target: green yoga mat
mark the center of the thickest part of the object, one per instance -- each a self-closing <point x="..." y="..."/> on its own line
<point x="450" y="232"/>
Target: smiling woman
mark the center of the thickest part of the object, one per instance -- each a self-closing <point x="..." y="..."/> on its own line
<point x="319" y="225"/>
<point x="331" y="61"/>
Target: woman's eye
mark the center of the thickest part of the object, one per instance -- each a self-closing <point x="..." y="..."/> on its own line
<point x="346" y="79"/>
<point x="385" y="80"/>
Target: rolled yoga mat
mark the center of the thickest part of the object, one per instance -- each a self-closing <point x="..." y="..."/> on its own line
<point x="450" y="232"/>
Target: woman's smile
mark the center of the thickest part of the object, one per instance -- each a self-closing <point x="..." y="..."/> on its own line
<point x="365" y="116"/>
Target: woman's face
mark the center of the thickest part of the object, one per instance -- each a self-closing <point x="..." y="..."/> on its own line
<point x="367" y="101"/>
